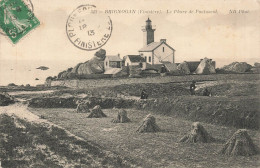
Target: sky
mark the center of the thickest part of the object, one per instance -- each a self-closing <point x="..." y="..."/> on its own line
<point x="223" y="36"/>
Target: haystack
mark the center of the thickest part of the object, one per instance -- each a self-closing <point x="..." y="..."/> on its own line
<point x="206" y="66"/>
<point x="6" y="99"/>
<point x="82" y="108"/>
<point x="121" y="117"/>
<point x="239" y="144"/>
<point x="96" y="112"/>
<point x="197" y="134"/>
<point x="148" y="125"/>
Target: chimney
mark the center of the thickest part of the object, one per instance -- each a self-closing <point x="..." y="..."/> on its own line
<point x="118" y="55"/>
<point x="163" y="40"/>
<point x="201" y="59"/>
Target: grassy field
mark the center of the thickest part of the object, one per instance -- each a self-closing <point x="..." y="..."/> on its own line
<point x="151" y="149"/>
<point x="33" y="142"/>
<point x="234" y="103"/>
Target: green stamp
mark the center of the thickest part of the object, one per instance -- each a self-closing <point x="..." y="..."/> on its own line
<point x="16" y="19"/>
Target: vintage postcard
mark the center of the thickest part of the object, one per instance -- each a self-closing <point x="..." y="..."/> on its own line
<point x="129" y="83"/>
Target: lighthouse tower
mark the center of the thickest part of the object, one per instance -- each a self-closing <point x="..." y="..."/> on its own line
<point x="148" y="32"/>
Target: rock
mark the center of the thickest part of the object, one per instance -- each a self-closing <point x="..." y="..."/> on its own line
<point x="43" y="68"/>
<point x="93" y="66"/>
<point x="238" y="67"/>
<point x="183" y="68"/>
<point x="148" y="125"/>
<point x="197" y="134"/>
<point x="205" y="67"/>
<point x="239" y="144"/>
<point x="101" y="54"/>
<point x="11" y="85"/>
<point x="257" y="64"/>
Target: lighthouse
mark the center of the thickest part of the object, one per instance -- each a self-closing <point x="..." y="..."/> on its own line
<point x="148" y="32"/>
<point x="155" y="52"/>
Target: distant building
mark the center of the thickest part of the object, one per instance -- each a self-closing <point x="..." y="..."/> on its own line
<point x="155" y="52"/>
<point x="112" y="62"/>
<point x="134" y="60"/>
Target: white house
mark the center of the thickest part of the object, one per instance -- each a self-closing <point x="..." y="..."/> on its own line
<point x="112" y="62"/>
<point x="134" y="60"/>
<point x="155" y="52"/>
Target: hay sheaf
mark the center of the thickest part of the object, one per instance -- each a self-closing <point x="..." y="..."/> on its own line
<point x="97" y="112"/>
<point x="198" y="134"/>
<point x="148" y="125"/>
<point x="82" y="108"/>
<point x="121" y="117"/>
<point x="239" y="144"/>
<point x="6" y="99"/>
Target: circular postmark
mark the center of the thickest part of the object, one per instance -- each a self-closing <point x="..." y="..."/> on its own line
<point x="87" y="28"/>
<point x="29" y="5"/>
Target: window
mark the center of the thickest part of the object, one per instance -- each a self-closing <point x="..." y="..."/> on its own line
<point x="150" y="59"/>
<point x="106" y="63"/>
<point x="118" y="65"/>
<point x="141" y="65"/>
<point x="163" y="49"/>
<point x="145" y="59"/>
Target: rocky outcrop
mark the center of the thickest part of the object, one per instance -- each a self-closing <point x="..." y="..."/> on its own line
<point x="92" y="66"/>
<point x="237" y="67"/>
<point x="206" y="66"/>
<point x="183" y="68"/>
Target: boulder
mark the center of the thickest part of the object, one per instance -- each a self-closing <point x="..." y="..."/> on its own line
<point x="206" y="66"/>
<point x="239" y="144"/>
<point x="238" y="67"/>
<point x="198" y="134"/>
<point x="93" y="66"/>
<point x="101" y="54"/>
<point x="257" y="64"/>
<point x="148" y="125"/>
<point x="183" y="68"/>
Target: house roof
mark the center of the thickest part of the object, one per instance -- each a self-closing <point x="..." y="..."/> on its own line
<point x="171" y="67"/>
<point x="152" y="46"/>
<point x="135" y="58"/>
<point x="193" y="65"/>
<point x="113" y="58"/>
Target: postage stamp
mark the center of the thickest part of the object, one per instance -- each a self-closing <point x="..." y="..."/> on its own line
<point x="87" y="28"/>
<point x="17" y="19"/>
